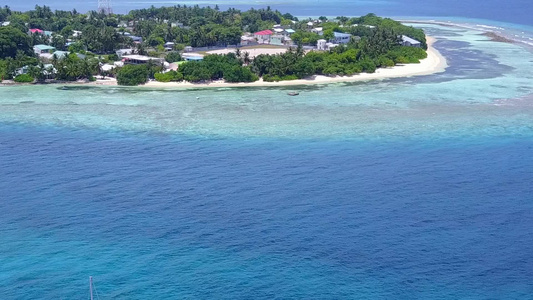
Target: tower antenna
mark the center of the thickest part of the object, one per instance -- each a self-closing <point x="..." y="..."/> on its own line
<point x="104" y="6"/>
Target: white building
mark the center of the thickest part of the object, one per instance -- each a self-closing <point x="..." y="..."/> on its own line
<point x="409" y="42"/>
<point x="341" y="38"/>
<point x="141" y="59"/>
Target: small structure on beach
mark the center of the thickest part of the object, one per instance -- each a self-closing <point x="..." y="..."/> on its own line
<point x="409" y="42"/>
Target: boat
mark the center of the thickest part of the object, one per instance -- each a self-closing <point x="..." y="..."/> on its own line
<point x="293" y="93"/>
<point x="91" y="287"/>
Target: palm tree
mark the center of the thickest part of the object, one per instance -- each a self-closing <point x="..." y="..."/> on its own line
<point x="247" y="58"/>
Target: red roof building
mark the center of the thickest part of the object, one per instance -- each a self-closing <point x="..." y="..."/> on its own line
<point x="264" y="32"/>
<point x="35" y="30"/>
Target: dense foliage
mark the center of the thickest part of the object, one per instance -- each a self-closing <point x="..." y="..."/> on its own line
<point x="97" y="36"/>
<point x="215" y="67"/>
<point x="13" y="40"/>
<point x="23" y="78"/>
<point x="169" y="76"/>
<point x="132" y="75"/>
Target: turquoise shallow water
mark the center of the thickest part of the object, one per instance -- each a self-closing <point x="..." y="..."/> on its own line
<point x="486" y="90"/>
<point x="413" y="188"/>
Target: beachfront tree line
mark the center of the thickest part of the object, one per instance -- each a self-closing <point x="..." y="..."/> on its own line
<point x="192" y="25"/>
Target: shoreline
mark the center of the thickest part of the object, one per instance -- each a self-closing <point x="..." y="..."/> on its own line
<point x="434" y="63"/>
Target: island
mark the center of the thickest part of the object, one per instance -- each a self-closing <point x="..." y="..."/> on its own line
<point x="203" y="46"/>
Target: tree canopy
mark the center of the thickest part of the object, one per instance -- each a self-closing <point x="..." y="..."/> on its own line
<point x="13" y="40"/>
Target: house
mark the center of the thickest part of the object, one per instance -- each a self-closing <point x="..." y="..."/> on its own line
<point x="321" y="45"/>
<point x="279" y="30"/>
<point x="135" y="59"/>
<point x="76" y="33"/>
<point x="409" y="42"/>
<point x="136" y="39"/>
<point x="289" y="31"/>
<point x="5" y="23"/>
<point x="60" y="54"/>
<point x="341" y="38"/>
<point x="277" y="40"/>
<point x="169" y="46"/>
<point x="36" y="30"/>
<point x="122" y="52"/>
<point x="263" y="37"/>
<point x="43" y="49"/>
<point x="318" y="30"/>
<point x="48" y="33"/>
<point x="247" y="40"/>
<point x="310" y="24"/>
<point x="287" y="41"/>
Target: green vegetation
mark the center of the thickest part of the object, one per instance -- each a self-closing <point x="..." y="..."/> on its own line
<point x="13" y="40"/>
<point x="23" y="78"/>
<point x="132" y="75"/>
<point x="215" y="67"/>
<point x="97" y="36"/>
<point x="169" y="76"/>
<point x="173" y="57"/>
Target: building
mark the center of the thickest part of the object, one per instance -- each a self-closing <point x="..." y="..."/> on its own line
<point x="247" y="40"/>
<point x="318" y="30"/>
<point x="134" y="59"/>
<point x="5" y="23"/>
<point x="321" y="45"/>
<point x="409" y="42"/>
<point x="136" y="39"/>
<point x="76" y="33"/>
<point x="263" y="37"/>
<point x="122" y="52"/>
<point x="36" y="30"/>
<point x="341" y="38"/>
<point x="277" y="39"/>
<point x="289" y="31"/>
<point x="60" y="54"/>
<point x="169" y="46"/>
<point x="43" y="49"/>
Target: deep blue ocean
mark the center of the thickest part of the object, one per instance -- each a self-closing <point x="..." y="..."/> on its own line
<point x="156" y="216"/>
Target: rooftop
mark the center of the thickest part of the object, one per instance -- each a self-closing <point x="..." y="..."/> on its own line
<point x="340" y="34"/>
<point x="409" y="40"/>
<point x="140" y="57"/>
<point x="43" y="47"/>
<point x="264" y="32"/>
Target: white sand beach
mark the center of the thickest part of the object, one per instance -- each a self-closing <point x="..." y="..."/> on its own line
<point x="434" y="63"/>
